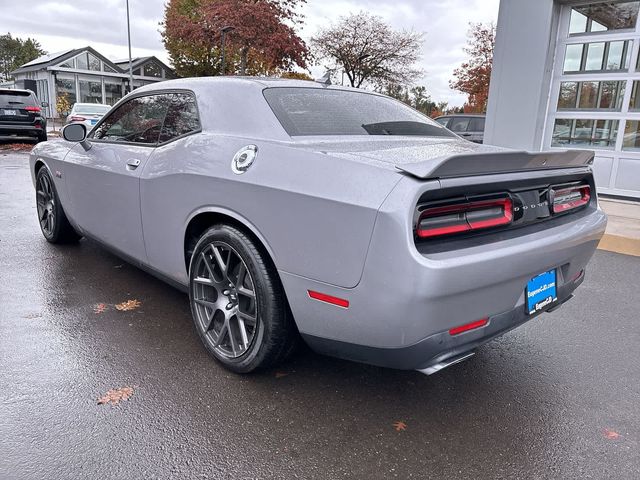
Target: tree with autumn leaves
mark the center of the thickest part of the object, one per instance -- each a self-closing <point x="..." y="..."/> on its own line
<point x="474" y="75"/>
<point x="263" y="40"/>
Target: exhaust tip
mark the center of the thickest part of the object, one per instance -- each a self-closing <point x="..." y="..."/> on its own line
<point x="435" y="368"/>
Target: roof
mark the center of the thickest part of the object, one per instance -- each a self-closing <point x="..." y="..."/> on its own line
<point x="138" y="61"/>
<point x="46" y="61"/>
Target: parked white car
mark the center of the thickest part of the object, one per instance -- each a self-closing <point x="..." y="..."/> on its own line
<point x="87" y="113"/>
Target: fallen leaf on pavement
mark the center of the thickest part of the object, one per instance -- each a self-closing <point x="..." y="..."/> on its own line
<point x="128" y="305"/>
<point x="17" y="147"/>
<point x="99" y="308"/>
<point x="116" y="395"/>
<point x="610" y="434"/>
<point x="399" y="426"/>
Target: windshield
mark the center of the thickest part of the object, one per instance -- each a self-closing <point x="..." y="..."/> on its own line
<point x="92" y="109"/>
<point x="316" y="111"/>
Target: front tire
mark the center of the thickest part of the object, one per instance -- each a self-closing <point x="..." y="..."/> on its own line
<point x="238" y="304"/>
<point x="53" y="222"/>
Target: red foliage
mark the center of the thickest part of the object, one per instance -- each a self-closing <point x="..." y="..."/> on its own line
<point x="263" y="39"/>
<point x="473" y="76"/>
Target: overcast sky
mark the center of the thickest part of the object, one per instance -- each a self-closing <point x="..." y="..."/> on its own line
<point x="60" y="25"/>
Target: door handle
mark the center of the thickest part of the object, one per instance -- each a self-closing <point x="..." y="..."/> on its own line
<point x="133" y="164"/>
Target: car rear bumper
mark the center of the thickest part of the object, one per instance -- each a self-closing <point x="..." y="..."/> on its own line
<point x="21" y="130"/>
<point x="400" y="313"/>
<point x="441" y="349"/>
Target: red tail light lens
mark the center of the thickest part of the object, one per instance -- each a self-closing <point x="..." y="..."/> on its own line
<point x="32" y="109"/>
<point x="77" y="119"/>
<point x="463" y="217"/>
<point x="565" y="199"/>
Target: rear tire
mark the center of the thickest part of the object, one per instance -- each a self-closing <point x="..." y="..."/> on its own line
<point x="42" y="138"/>
<point x="237" y="302"/>
<point x="53" y="222"/>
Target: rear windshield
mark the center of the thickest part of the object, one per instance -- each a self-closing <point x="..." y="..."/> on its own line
<point x="102" y="109"/>
<point x="16" y="98"/>
<point x="315" y="111"/>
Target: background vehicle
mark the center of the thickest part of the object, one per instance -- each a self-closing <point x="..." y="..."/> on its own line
<point x="286" y="206"/>
<point x="468" y="126"/>
<point x="21" y="115"/>
<point x="87" y="113"/>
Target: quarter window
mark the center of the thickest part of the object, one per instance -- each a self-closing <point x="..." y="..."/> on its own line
<point x="460" y="124"/>
<point x="182" y="117"/>
<point x="137" y="121"/>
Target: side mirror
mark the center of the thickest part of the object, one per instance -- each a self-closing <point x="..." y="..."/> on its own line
<point x="44" y="104"/>
<point x="76" y="133"/>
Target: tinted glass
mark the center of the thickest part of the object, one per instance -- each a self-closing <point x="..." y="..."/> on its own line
<point x="139" y="121"/>
<point x="459" y="124"/>
<point x="16" y="98"/>
<point x="604" y="16"/>
<point x="316" y="111"/>
<point x="182" y="117"/>
<point x="476" y="124"/>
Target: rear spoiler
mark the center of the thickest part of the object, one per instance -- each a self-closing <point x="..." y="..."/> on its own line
<point x="486" y="163"/>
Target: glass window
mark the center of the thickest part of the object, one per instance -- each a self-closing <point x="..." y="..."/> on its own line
<point x="459" y="124"/>
<point x="89" y="91"/>
<point x="82" y="62"/>
<point x="443" y="121"/>
<point x="476" y="124"/>
<point x="631" y="135"/>
<point x="107" y="68"/>
<point x="136" y="71"/>
<point x="318" y="111"/>
<point x="66" y="86"/>
<point x="604" y="16"/>
<point x="591" y="95"/>
<point x="138" y="121"/>
<point x="152" y="70"/>
<point x="68" y="64"/>
<point x="94" y="63"/>
<point x="182" y="117"/>
<point x="585" y="132"/>
<point x="112" y="92"/>
<point x="573" y="58"/>
<point x="635" y="96"/>
<point x="596" y="57"/>
<point x="568" y="98"/>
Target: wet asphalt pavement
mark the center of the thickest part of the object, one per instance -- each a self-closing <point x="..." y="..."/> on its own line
<point x="556" y="398"/>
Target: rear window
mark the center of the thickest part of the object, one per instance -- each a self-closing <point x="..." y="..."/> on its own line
<point x="315" y="111"/>
<point x="100" y="109"/>
<point x="16" y="98"/>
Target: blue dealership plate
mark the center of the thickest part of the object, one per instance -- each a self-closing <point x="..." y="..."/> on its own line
<point x="541" y="291"/>
<point x="93" y="122"/>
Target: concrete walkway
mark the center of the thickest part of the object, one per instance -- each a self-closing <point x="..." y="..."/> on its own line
<point x="623" y="229"/>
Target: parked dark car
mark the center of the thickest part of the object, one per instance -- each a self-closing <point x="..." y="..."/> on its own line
<point x="21" y="115"/>
<point x="468" y="126"/>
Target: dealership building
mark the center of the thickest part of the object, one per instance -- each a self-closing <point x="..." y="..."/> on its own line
<point x="566" y="74"/>
<point x="86" y="76"/>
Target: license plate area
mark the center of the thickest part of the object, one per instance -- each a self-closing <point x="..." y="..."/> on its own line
<point x="10" y="112"/>
<point x="541" y="292"/>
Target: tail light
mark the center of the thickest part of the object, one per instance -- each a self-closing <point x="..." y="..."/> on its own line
<point x="569" y="198"/>
<point x="32" y="109"/>
<point x="465" y="216"/>
<point x="469" y="326"/>
<point x="75" y="118"/>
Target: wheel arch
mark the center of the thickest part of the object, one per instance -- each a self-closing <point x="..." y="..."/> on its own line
<point x="203" y="218"/>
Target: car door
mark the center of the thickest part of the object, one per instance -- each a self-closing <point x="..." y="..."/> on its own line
<point x="104" y="181"/>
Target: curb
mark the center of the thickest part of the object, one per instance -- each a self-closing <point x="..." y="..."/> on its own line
<point x="618" y="244"/>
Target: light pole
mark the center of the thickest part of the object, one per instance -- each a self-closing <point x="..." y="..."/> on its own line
<point x="223" y="31"/>
<point x="129" y="40"/>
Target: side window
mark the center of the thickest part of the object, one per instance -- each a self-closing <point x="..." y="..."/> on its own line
<point x="476" y="125"/>
<point x="139" y="121"/>
<point x="459" y="124"/>
<point x="443" y="121"/>
<point x="182" y="117"/>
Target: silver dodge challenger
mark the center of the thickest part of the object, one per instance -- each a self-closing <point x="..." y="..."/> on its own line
<point x="294" y="211"/>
